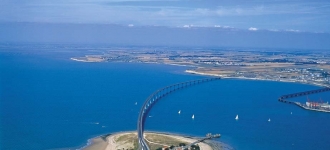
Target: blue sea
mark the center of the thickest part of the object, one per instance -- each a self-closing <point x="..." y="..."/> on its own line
<point x="48" y="101"/>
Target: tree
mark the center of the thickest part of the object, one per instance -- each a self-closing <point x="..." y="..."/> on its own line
<point x="195" y="147"/>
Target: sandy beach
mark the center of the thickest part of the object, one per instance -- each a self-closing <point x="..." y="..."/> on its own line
<point x="87" y="59"/>
<point x="97" y="144"/>
<point x="124" y="140"/>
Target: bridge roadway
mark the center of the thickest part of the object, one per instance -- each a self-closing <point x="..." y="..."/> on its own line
<point x="284" y="97"/>
<point x="153" y="98"/>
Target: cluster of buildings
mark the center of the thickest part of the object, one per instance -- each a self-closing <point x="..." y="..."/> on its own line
<point x="303" y="75"/>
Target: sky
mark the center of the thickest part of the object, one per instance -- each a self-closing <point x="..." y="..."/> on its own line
<point x="307" y="18"/>
<point x="295" y="15"/>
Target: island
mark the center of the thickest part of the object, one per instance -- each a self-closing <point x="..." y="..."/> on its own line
<point x="303" y="66"/>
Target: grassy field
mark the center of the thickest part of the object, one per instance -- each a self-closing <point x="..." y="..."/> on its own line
<point x="163" y="140"/>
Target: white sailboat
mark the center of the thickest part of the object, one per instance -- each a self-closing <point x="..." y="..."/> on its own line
<point x="179" y="112"/>
<point x="236" y="117"/>
<point x="269" y="120"/>
<point x="193" y="117"/>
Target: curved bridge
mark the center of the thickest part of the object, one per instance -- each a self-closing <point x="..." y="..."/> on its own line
<point x="153" y="98"/>
<point x="284" y="97"/>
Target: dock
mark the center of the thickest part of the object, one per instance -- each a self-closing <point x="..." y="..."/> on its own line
<point x="319" y="108"/>
<point x="310" y="108"/>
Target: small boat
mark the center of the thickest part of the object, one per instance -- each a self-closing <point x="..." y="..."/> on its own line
<point x="193" y="117"/>
<point x="135" y="103"/>
<point x="269" y="120"/>
<point x="179" y="112"/>
<point x="291" y="113"/>
<point x="236" y="117"/>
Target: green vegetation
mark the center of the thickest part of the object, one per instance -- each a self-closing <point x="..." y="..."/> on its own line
<point x="159" y="141"/>
<point x="129" y="138"/>
<point x="104" y="137"/>
<point x="193" y="147"/>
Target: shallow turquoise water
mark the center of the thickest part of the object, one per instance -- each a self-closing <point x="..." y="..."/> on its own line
<point x="49" y="101"/>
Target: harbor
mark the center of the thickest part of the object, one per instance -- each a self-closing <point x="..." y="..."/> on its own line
<point x="315" y="106"/>
<point x="309" y="105"/>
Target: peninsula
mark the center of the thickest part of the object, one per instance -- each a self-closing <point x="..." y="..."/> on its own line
<point x="156" y="141"/>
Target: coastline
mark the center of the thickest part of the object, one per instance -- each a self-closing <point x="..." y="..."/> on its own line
<point x="96" y="143"/>
<point x="209" y="74"/>
<point x="87" y="59"/>
<point x="245" y="78"/>
<point x="108" y="141"/>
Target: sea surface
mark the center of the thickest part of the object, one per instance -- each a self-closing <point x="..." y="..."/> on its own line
<point x="48" y="101"/>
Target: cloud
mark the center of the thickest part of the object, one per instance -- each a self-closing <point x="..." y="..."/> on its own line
<point x="228" y="27"/>
<point x="273" y="30"/>
<point x="253" y="29"/>
<point x="302" y="15"/>
<point x="292" y="30"/>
